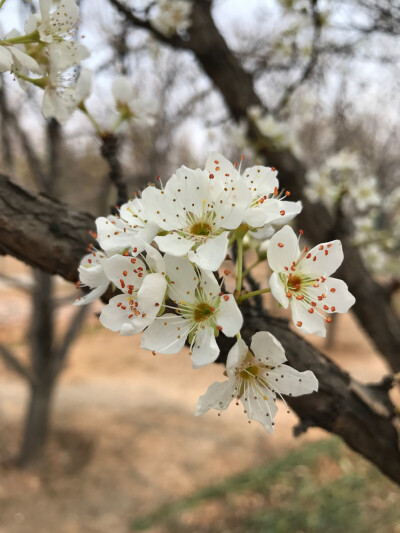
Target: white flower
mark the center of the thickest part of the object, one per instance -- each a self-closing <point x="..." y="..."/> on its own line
<point x="58" y="24"/>
<point x="276" y="131"/>
<point x="201" y="311"/>
<point x="91" y="274"/>
<point x="320" y="188"/>
<point x="141" y="111"/>
<point x="130" y="231"/>
<point x="198" y="210"/>
<point x="374" y="257"/>
<point x="365" y="193"/>
<point x="143" y="292"/>
<point x="62" y="96"/>
<point x="302" y="280"/>
<point x="14" y="57"/>
<point x="267" y="205"/>
<point x="256" y="377"/>
<point x="171" y="16"/>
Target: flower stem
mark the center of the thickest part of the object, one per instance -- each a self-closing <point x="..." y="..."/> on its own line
<point x="39" y="82"/>
<point x="91" y="119"/>
<point x="243" y="297"/>
<point x="2" y="3"/>
<point x="239" y="264"/>
<point x="21" y="39"/>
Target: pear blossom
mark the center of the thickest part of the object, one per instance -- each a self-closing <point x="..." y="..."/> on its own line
<point x="197" y="209"/>
<point x="130" y="231"/>
<point x="278" y="132"/>
<point x="256" y="376"/>
<point x="302" y="280"/>
<point x="171" y="16"/>
<point x="15" y="58"/>
<point x="365" y="193"/>
<point x="143" y="291"/>
<point x="92" y="275"/>
<point x="320" y="188"/>
<point x="57" y="25"/>
<point x="200" y="312"/>
<point x="134" y="108"/>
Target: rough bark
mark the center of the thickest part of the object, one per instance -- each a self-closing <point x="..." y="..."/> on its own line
<point x="236" y="86"/>
<point x="363" y="416"/>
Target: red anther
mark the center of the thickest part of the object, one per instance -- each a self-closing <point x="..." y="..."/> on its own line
<point x="135" y="250"/>
<point x="333" y="290"/>
<point x="280" y="244"/>
<point x="236" y="164"/>
<point x="123" y="307"/>
<point x="286" y="268"/>
<point x="211" y="176"/>
<point x="143" y="315"/>
<point x="116" y="232"/>
<point x="329" y="245"/>
<point x="130" y="316"/>
<point x="212" y="309"/>
<point x="219" y="328"/>
<point x="329" y="319"/>
<point x="313" y="304"/>
<point x="319" y="298"/>
<point x="124" y="273"/>
<point x="282" y="212"/>
<point x="293" y="268"/>
<point x="300" y="297"/>
<point x="133" y="260"/>
<point x="130" y="291"/>
<point x="289" y="295"/>
<point x="119" y="304"/>
<point x="140" y="275"/>
<point x="326" y="252"/>
<point x="323" y="279"/>
<point x="261" y="200"/>
<point x="320" y="247"/>
<point x="122" y="282"/>
<point x="333" y="308"/>
<point x="136" y="312"/>
<point x="276" y="192"/>
<point x="157" y="304"/>
<point x="140" y="268"/>
<point x="216" y="162"/>
<point x="299" y="324"/>
<point x="287" y="193"/>
<point x="158" y="178"/>
<point x="273" y="169"/>
<point x="89" y="260"/>
<point x="314" y="258"/>
<point x="126" y="253"/>
<point x="242" y="157"/>
<point x="301" y="232"/>
<point x="227" y="272"/>
<point x="326" y="307"/>
<point x="308" y="256"/>
<point x="316" y="285"/>
<point x="154" y="352"/>
<point x="217" y="168"/>
<point x="77" y="284"/>
<point x="311" y="310"/>
<point x="220" y="294"/>
<point x="226" y="297"/>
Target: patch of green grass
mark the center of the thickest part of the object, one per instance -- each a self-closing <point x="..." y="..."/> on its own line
<point x="321" y="487"/>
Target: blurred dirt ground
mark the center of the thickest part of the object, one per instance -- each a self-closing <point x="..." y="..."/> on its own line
<point x="124" y="438"/>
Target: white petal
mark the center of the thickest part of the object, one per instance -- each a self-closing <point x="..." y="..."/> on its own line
<point x="122" y="90"/>
<point x="116" y="314"/>
<point x="338" y="295"/>
<point x="212" y="253"/>
<point x="191" y="189"/>
<point x="24" y="60"/>
<point x="286" y="380"/>
<point x="276" y="211"/>
<point x="278" y="290"/>
<point x="112" y="237"/>
<point x="220" y="167"/>
<point x="155" y="260"/>
<point x="151" y="294"/>
<point x="324" y="259"/>
<point x="291" y="210"/>
<point x="209" y="284"/>
<point x="236" y="356"/>
<point x="218" y="396"/>
<point x="262" y="409"/>
<point x="92" y="295"/>
<point x="165" y="335"/>
<point x="183" y="278"/>
<point x="6" y="59"/>
<point x="161" y="209"/>
<point x="261" y="180"/>
<point x="229" y="316"/>
<point x="231" y="202"/>
<point x="307" y="322"/>
<point x="283" y="249"/>
<point x="267" y="348"/>
<point x="205" y="349"/>
<point x="174" y="244"/>
<point x="123" y="273"/>
<point x="83" y="85"/>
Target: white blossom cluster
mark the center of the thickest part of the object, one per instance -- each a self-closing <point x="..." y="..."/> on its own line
<point x="343" y="179"/>
<point x="160" y="258"/>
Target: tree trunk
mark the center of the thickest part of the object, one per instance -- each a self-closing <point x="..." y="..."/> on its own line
<point x="36" y="423"/>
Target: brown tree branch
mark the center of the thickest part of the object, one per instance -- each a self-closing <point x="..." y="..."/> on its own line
<point x="14" y="364"/>
<point x="362" y="415"/>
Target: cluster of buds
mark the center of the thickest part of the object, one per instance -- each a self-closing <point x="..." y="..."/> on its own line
<point x="161" y="257"/>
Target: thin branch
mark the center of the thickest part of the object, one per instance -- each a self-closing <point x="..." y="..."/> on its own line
<point x="109" y="150"/>
<point x="13" y="363"/>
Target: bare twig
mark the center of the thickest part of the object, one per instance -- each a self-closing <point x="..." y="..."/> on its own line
<point x="13" y="363"/>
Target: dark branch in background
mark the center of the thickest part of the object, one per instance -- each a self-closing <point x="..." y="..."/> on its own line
<point x="6" y="144"/>
<point x="14" y="364"/>
<point x="312" y="62"/>
<point x="236" y="86"/>
<point x="362" y="415"/>
<point x="109" y="150"/>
